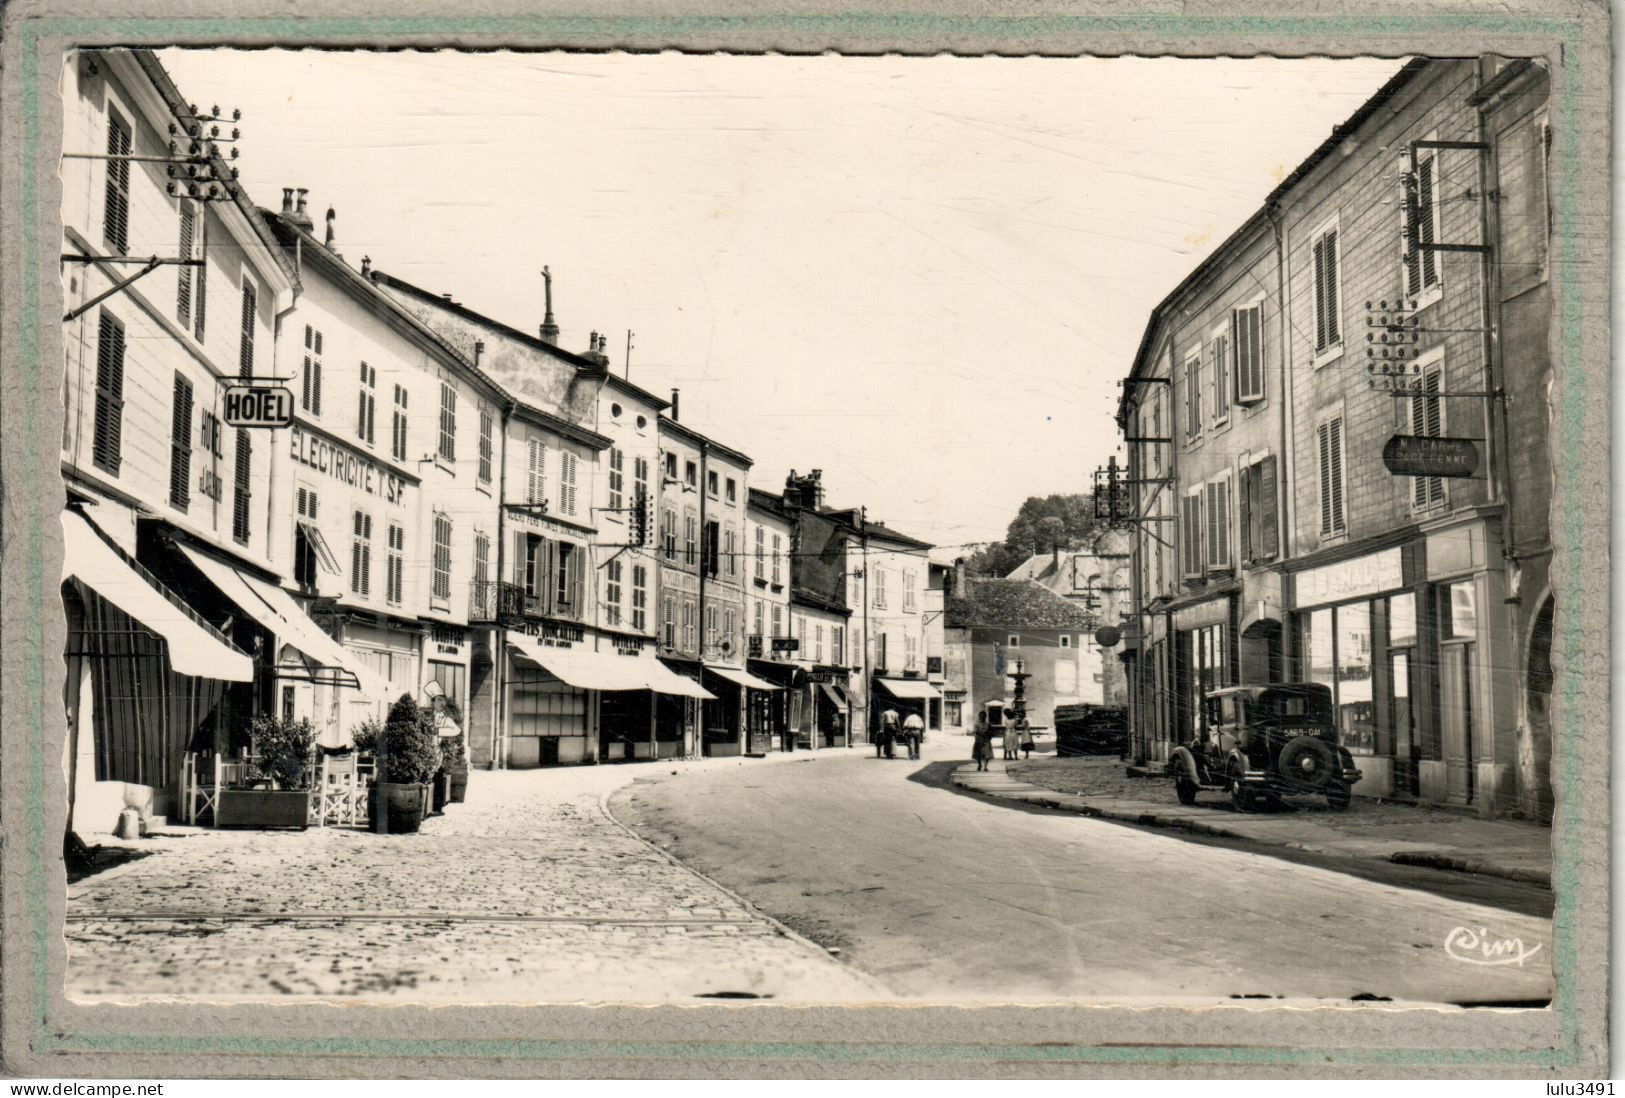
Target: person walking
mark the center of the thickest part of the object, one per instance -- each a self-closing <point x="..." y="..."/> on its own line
<point x="886" y="743"/>
<point x="982" y="749"/>
<point x="913" y="733"/>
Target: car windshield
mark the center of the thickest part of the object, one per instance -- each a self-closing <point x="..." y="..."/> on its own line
<point x="1294" y="706"/>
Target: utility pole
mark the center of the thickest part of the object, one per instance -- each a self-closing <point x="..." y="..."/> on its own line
<point x="868" y="681"/>
<point x="628" y="367"/>
<point x="699" y="626"/>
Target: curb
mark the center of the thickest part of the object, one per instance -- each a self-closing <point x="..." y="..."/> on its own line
<point x="1426" y="859"/>
<point x="881" y="992"/>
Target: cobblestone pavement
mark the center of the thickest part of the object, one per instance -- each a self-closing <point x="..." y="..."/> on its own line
<point x="529" y="892"/>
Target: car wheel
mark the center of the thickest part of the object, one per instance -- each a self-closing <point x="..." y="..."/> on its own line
<point x="1240" y="799"/>
<point x="1185" y="790"/>
<point x="1338" y="797"/>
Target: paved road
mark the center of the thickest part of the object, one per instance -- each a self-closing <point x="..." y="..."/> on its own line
<point x="941" y="894"/>
<point x="529" y="893"/>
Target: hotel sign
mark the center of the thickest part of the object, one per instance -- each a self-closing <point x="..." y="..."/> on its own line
<point x="258" y="406"/>
<point x="356" y="470"/>
<point x="1428" y="456"/>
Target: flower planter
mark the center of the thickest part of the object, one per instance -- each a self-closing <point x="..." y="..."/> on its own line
<point x="263" y="808"/>
<point x="459" y="785"/>
<point x="402" y="806"/>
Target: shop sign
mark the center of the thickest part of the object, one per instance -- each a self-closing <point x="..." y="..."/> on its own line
<point x="628" y="646"/>
<point x="1428" y="456"/>
<point x="1350" y="579"/>
<point x="786" y="644"/>
<point x="933" y="665"/>
<point x="560" y="636"/>
<point x="356" y="470"/>
<point x="831" y="677"/>
<point x="269" y="406"/>
<point x="753" y="646"/>
<point x="448" y="649"/>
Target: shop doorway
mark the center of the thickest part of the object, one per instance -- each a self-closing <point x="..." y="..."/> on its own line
<point x="1456" y="720"/>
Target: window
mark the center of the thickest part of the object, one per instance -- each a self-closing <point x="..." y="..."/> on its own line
<point x="361" y="554"/>
<point x="1219" y="355"/>
<point x="183" y="273"/>
<point x="1066" y="641"/>
<point x="1193" y="395"/>
<point x="669" y="636"/>
<point x="245" y="345"/>
<point x="1247" y="337"/>
<point x="728" y="554"/>
<point x="778" y="621"/>
<point x="711" y="628"/>
<point x="180" y="445"/>
<point x="367" y="404"/>
<point x="880" y="651"/>
<point x="565" y="576"/>
<point x="535" y="566"/>
<point x="310" y="391"/>
<point x="689" y="529"/>
<point x="109" y="442"/>
<point x="536" y="472"/>
<point x="448" y="422"/>
<point x="1420" y="223"/>
<point x="758" y="616"/>
<point x="668" y="533"/>
<point x="487" y="444"/>
<point x="240" y="489"/>
<point x="612" y="593"/>
<point x="733" y="490"/>
<point x="1014" y="641"/>
<point x="617" y="479"/>
<point x="730" y="623"/>
<point x="567" y="482"/>
<point x="1328" y="292"/>
<point x="1330" y="441"/>
<point x="1336" y="648"/>
<point x="395" y="574"/>
<point x="304" y="552"/>
<point x="761" y="554"/>
<point x="1427" y="420"/>
<point x="1259" y="517"/>
<point x="482" y="562"/>
<point x="711" y="483"/>
<point x="440" y="588"/>
<point x="711" y="549"/>
<point x="818" y="642"/>
<point x="640" y="597"/>
<point x="777" y="543"/>
<point x="880" y="588"/>
<point x="911" y="652"/>
<point x="837" y="644"/>
<point x="1218" y="524"/>
<point x="116" y="212"/>
<point x="640" y="484"/>
<point x="908" y="589"/>
<point x="1191" y="544"/>
<point x="397" y="445"/>
<point x="689" y="626"/>
<point x="691" y="474"/>
<point x="671" y="465"/>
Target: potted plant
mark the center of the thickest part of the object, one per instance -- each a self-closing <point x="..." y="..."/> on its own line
<point x="408" y="756"/>
<point x="455" y="765"/>
<point x="279" y="794"/>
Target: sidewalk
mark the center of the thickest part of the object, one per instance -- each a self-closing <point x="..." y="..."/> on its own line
<point x="1402" y="834"/>
<point x="530" y="892"/>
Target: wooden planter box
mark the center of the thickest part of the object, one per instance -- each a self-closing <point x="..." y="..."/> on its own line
<point x="459" y="786"/>
<point x="403" y="806"/>
<point x="263" y="808"/>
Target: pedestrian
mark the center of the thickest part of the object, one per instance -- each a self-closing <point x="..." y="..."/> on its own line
<point x="982" y="750"/>
<point x="886" y="744"/>
<point x="913" y="733"/>
<point x="1012" y="739"/>
<point x="1025" y="731"/>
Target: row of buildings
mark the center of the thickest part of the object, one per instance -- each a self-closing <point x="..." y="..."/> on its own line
<point x="1395" y="284"/>
<point x="299" y="485"/>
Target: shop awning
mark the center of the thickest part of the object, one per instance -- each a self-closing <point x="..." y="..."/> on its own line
<point x="194" y="648"/>
<point x="834" y="694"/>
<point x="587" y="669"/>
<point x="276" y="610"/>
<point x="908" y="689"/>
<point x="741" y="678"/>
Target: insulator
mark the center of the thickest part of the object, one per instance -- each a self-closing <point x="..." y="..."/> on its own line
<point x="214" y="131"/>
<point x="236" y="115"/>
<point x="235" y="133"/>
<point x="234" y="152"/>
<point x="173" y="129"/>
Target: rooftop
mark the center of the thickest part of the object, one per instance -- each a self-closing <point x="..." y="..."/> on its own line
<point x="1013" y="604"/>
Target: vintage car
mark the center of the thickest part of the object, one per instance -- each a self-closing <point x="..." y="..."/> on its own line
<point x="1263" y="743"/>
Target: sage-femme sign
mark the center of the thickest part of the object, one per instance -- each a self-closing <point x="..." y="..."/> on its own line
<point x="1428" y="456"/>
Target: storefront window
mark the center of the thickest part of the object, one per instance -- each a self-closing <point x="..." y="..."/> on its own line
<point x="1355" y="718"/>
<point x="1317" y="642"/>
<point x="1402" y="621"/>
<point x="1461" y="612"/>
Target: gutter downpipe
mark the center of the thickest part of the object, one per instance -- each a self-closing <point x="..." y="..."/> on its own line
<point x="1286" y="478"/>
<point x="699" y="626"/>
<point x="499" y="658"/>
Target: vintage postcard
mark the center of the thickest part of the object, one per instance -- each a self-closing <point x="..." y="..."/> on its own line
<point x="691" y="543"/>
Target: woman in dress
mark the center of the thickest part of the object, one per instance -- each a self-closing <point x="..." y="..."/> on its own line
<point x="982" y="751"/>
<point x="1012" y="740"/>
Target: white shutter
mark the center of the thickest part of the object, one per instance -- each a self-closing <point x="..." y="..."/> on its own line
<point x="1324" y="439"/>
<point x="536" y="488"/>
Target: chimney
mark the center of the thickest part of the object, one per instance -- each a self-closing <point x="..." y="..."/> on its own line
<point x="301" y="218"/>
<point x="549" y="330"/>
<point x="287" y="202"/>
<point x="329" y="242"/>
<point x="674" y="394"/>
<point x="1055" y="553"/>
<point x="366" y="266"/>
<point x="804" y="492"/>
<point x="792" y="493"/>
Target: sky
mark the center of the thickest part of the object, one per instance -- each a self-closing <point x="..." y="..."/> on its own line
<point x="923" y="276"/>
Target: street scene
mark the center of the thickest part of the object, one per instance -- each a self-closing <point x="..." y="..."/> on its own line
<point x="961" y="567"/>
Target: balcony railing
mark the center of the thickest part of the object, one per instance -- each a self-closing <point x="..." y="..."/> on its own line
<point x="502" y="603"/>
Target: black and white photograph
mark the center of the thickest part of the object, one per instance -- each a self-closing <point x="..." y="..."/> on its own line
<point x="548" y="527"/>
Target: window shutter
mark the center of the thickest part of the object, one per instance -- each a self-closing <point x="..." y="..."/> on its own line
<point x="1268" y="517"/>
<point x="108" y="442"/>
<point x="1333" y="323"/>
<point x="240" y="487"/>
<point x="576" y="563"/>
<point x="1324" y="433"/>
<point x="1409" y="209"/>
<point x="536" y="486"/>
<point x="116" y="213"/>
<point x="520" y="547"/>
<point x="1335" y="434"/>
<point x="183" y="273"/>
<point x="1247" y="512"/>
<point x="245" y="347"/>
<point x="316" y="369"/>
<point x="180" y="460"/>
<point x="549" y="568"/>
<point x="202" y="270"/>
<point x="1428" y="260"/>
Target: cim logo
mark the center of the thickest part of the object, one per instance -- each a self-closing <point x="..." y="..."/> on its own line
<point x="1476" y="946"/>
<point x="258" y="406"/>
